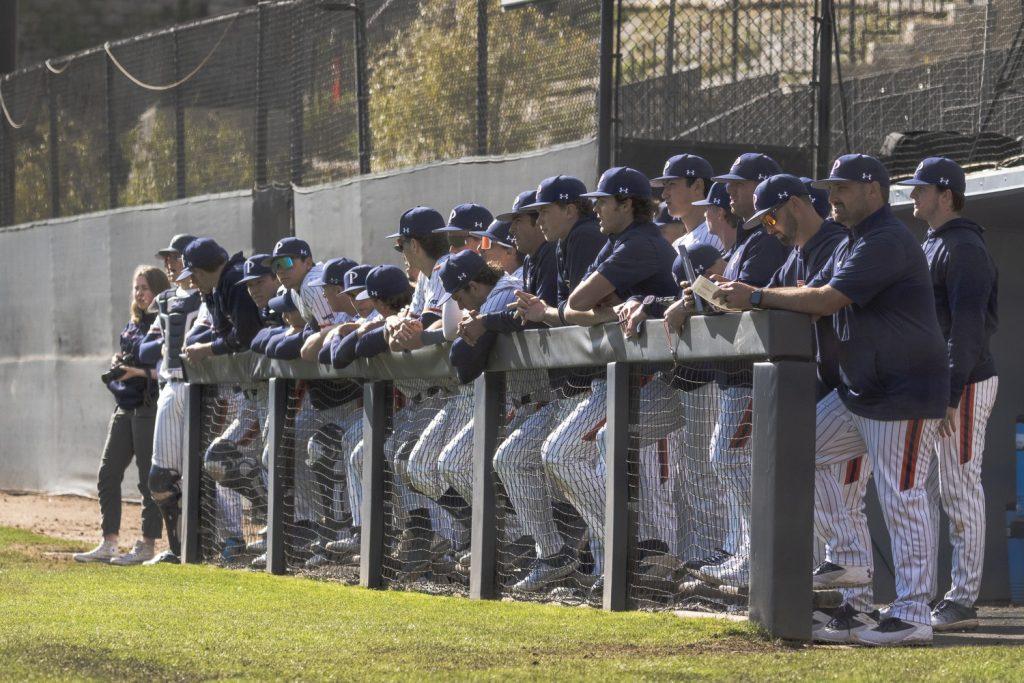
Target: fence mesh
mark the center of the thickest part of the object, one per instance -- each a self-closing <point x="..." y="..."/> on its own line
<point x="270" y="94"/>
<point x="233" y="484"/>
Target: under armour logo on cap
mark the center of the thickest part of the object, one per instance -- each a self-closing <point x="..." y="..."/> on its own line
<point x="939" y="171"/>
<point x="773" y="193"/>
<point x="860" y="168"/>
<point x="621" y="180"/>
<point x="865" y="176"/>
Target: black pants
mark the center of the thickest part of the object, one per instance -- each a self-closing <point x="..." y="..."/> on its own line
<point x="130" y="434"/>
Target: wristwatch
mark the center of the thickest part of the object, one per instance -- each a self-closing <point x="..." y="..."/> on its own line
<point x="755" y="298"/>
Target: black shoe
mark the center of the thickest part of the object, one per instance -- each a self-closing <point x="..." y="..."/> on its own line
<point x="166" y="556"/>
<point x="715" y="558"/>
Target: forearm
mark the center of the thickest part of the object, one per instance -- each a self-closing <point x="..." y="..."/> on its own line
<point x="596" y="316"/>
<point x="810" y="300"/>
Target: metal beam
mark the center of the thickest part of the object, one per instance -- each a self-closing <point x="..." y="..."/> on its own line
<point x="488" y="401"/>
<point x="376" y="398"/>
<point x="617" y="532"/>
<point x="191" y="475"/>
<point x="277" y="469"/>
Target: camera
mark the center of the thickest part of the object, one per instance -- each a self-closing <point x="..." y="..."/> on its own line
<point x="117" y="371"/>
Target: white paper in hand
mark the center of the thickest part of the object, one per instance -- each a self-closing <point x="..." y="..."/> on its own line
<point x="451" y="316"/>
<point x="706" y="289"/>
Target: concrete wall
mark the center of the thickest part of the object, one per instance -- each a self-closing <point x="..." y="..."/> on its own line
<point x="66" y="288"/>
<point x="351" y="218"/>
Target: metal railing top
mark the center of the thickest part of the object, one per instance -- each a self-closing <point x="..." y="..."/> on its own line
<point x="752" y="336"/>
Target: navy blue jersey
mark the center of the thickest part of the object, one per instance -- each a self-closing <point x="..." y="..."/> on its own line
<point x="965" y="283"/>
<point x="638" y="262"/>
<point x="343" y="349"/>
<point x="799" y="269"/>
<point x="575" y="254"/>
<point x="540" y="277"/>
<point x="285" y="345"/>
<point x="234" y="316"/>
<point x="892" y="357"/>
<point x="469" y="361"/>
<point x="755" y="257"/>
<point x="262" y="338"/>
<point x="135" y="391"/>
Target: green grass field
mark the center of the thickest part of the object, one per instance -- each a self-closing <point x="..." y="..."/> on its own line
<point x="63" y="620"/>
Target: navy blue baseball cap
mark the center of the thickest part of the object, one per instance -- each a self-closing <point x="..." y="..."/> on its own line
<point x="621" y="181"/>
<point x="855" y="168"/>
<point x="683" y="166"/>
<point x="467" y="218"/>
<point x="664" y="217"/>
<point x="355" y="279"/>
<point x="254" y="268"/>
<point x="498" y="233"/>
<point x="383" y="282"/>
<point x="418" y="221"/>
<point x="458" y="271"/>
<point x="177" y="245"/>
<point x="717" y="196"/>
<point x="283" y="302"/>
<point x="819" y="197"/>
<point x="942" y="172"/>
<point x="202" y="252"/>
<point x="291" y="246"/>
<point x="702" y="256"/>
<point x="751" y="166"/>
<point x="334" y="272"/>
<point x="522" y="199"/>
<point x="773" y="193"/>
<point x="559" y="188"/>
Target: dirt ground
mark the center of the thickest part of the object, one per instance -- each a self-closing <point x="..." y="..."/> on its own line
<point x="71" y="517"/>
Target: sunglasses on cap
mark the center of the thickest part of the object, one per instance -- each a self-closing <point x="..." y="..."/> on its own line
<point x="282" y="263"/>
<point x="487" y="243"/>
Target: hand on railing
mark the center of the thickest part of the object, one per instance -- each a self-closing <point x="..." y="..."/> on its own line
<point x="529" y="307"/>
<point x="631" y="316"/>
<point x="471" y="327"/>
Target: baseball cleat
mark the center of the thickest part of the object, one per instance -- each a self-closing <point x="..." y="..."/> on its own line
<point x="256" y="547"/>
<point x="140" y="552"/>
<point x="546" y="571"/>
<point x="345" y="546"/>
<point x="733" y="572"/>
<point x="844" y="626"/>
<point x="717" y="557"/>
<point x="829" y="575"/>
<point x="819" y="618"/>
<point x="104" y="552"/>
<point x="259" y="562"/>
<point x="316" y="560"/>
<point x="953" y="616"/>
<point x="893" y="631"/>
<point x="166" y="557"/>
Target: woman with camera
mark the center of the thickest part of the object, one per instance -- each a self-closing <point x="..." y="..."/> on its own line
<point x="130" y="433"/>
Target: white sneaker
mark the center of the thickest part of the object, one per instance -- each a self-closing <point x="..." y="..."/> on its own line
<point x="893" y="631"/>
<point x="828" y="575"/>
<point x="140" y="552"/>
<point x="733" y="572"/>
<point x="845" y="625"/>
<point x="104" y="552"/>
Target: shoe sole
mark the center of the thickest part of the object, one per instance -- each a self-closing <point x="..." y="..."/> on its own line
<point x="569" y="570"/>
<point x="963" y="625"/>
<point x="830" y="585"/>
<point x="129" y="564"/>
<point x="721" y="583"/>
<point x="96" y="560"/>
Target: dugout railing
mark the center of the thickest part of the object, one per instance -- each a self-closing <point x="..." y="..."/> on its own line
<point x="771" y="351"/>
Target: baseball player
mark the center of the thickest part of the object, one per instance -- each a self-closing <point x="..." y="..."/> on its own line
<point x="722" y="223"/>
<point x="464" y="224"/>
<point x="965" y="283"/>
<point x="786" y="209"/>
<point x="894" y="383"/>
<point x="635" y="260"/>
<point x="178" y="309"/>
<point x="499" y="248"/>
<point x="685" y="183"/>
<point x="753" y="259"/>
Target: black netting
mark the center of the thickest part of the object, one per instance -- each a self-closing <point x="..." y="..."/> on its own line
<point x="233" y="484"/>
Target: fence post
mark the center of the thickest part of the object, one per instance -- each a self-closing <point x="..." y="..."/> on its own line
<point x="823" y="152"/>
<point x="179" y="125"/>
<point x="376" y="397"/>
<point x="488" y="401"/>
<point x="782" y="498"/>
<point x="260" y="151"/>
<point x="606" y="86"/>
<point x="8" y="61"/>
<point x="295" y="120"/>
<point x="276" y="467"/>
<point x="191" y="475"/>
<point x="112" y="155"/>
<point x="735" y="52"/>
<point x="616" y="517"/>
<point x="362" y="91"/>
<point x="54" y="145"/>
<point x="481" y="77"/>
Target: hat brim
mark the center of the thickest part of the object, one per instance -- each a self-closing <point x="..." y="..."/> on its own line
<point x="317" y="283"/>
<point x="352" y="291"/>
<point x="252" y="278"/>
<point x="704" y="202"/>
<point x="661" y="180"/>
<point x="533" y="208"/>
<point x="727" y="177"/>
<point x="825" y="183"/>
<point x="512" y="215"/>
<point x="183" y="275"/>
<point x="915" y="182"/>
<point x="395" y="236"/>
<point x="362" y="296"/>
<point x="449" y="229"/>
<point x="596" y="194"/>
<point x="756" y="218"/>
<point x="168" y="252"/>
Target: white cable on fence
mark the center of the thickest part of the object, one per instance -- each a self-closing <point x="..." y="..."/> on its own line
<point x="7" y="113"/>
<point x="170" y="86"/>
<point x="54" y="70"/>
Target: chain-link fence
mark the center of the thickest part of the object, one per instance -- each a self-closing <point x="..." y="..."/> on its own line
<point x="310" y="91"/>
